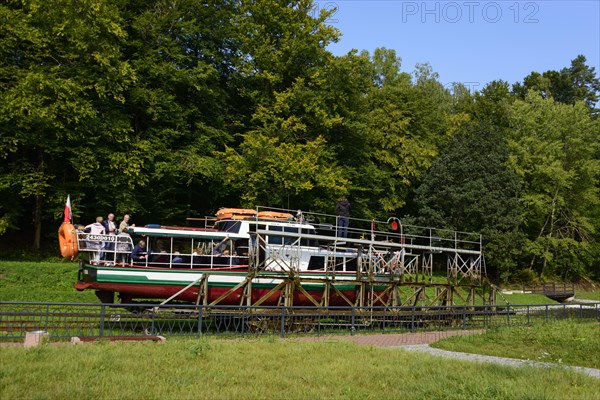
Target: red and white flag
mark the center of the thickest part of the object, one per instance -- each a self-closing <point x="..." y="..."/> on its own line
<point x="68" y="210"/>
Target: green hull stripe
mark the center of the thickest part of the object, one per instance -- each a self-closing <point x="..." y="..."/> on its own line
<point x="141" y="279"/>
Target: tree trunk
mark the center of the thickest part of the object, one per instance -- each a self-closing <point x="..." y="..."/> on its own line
<point x="37" y="214"/>
<point x="37" y="223"/>
<point x="552" y="215"/>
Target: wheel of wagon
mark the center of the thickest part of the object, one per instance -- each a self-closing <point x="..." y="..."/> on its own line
<point x="262" y="325"/>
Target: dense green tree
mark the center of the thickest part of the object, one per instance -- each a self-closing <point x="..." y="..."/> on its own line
<point x="62" y="80"/>
<point x="553" y="150"/>
<point x="406" y="121"/>
<point x="292" y="115"/>
<point x="492" y="103"/>
<point x="268" y="171"/>
<point x="578" y="82"/>
<point x="183" y="53"/>
<point x="469" y="188"/>
<point x="386" y="66"/>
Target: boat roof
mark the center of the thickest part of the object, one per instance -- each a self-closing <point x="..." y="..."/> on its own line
<point x="269" y="222"/>
<point x="185" y="233"/>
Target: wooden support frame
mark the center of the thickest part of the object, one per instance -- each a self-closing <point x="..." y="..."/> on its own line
<point x="348" y="301"/>
<point x="230" y="291"/>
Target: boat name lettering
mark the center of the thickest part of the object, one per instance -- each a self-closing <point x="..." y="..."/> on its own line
<point x="106" y="238"/>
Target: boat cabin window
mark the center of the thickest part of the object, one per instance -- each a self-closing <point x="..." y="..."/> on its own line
<point x="242" y="248"/>
<point x="308" y="242"/>
<point x="225" y="247"/>
<point x="346" y="264"/>
<point x="273" y="239"/>
<point x="169" y="251"/>
<point x="351" y="264"/>
<point x="341" y="264"/>
<point x="229" y="226"/>
<point x="188" y="252"/>
<point x="316" y="263"/>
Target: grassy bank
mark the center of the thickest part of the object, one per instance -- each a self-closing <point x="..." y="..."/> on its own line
<point x="525" y="298"/>
<point x="268" y="368"/>
<point x="41" y="281"/>
<point x="588" y="295"/>
<point x="562" y="341"/>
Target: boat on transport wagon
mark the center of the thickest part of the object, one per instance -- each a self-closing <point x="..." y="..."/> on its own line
<point x="263" y="257"/>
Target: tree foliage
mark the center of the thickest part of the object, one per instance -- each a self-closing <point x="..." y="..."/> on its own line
<point x="61" y="76"/>
<point x="171" y="109"/>
<point x="469" y="187"/>
<point x="553" y="150"/>
<point x="268" y="171"/>
<point x="578" y="82"/>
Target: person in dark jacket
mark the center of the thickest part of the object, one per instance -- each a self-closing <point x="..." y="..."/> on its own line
<point x="110" y="228"/>
<point x="342" y="210"/>
<point x="139" y="253"/>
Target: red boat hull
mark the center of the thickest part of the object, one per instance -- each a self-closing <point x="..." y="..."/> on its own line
<point x="130" y="292"/>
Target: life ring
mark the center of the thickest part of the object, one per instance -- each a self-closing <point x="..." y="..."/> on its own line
<point x="275" y="215"/>
<point x="235" y="213"/>
<point x="67" y="238"/>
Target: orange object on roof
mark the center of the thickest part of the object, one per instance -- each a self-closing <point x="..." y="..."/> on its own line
<point x="235" y="213"/>
<point x="275" y="215"/>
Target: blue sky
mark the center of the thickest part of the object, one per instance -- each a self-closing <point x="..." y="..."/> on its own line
<point x="473" y="42"/>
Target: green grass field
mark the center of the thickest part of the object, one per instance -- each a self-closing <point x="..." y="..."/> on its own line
<point x="269" y="368"/>
<point x="561" y="341"/>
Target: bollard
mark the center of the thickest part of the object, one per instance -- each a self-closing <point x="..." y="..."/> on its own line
<point x="36" y="338"/>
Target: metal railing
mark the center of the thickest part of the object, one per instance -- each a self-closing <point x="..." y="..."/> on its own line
<point x="105" y="248"/>
<point x="413" y="236"/>
<point x="65" y="320"/>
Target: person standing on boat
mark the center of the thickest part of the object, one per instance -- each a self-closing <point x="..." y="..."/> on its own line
<point x="342" y="210"/>
<point x="123" y="241"/>
<point x="124" y="225"/>
<point x="95" y="229"/>
<point x="110" y="226"/>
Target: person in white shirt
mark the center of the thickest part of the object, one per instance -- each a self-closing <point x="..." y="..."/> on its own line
<point x="97" y="228"/>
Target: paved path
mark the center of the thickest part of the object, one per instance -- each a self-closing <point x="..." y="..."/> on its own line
<point x="513" y="362"/>
<point x="419" y="342"/>
<point x="391" y="340"/>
